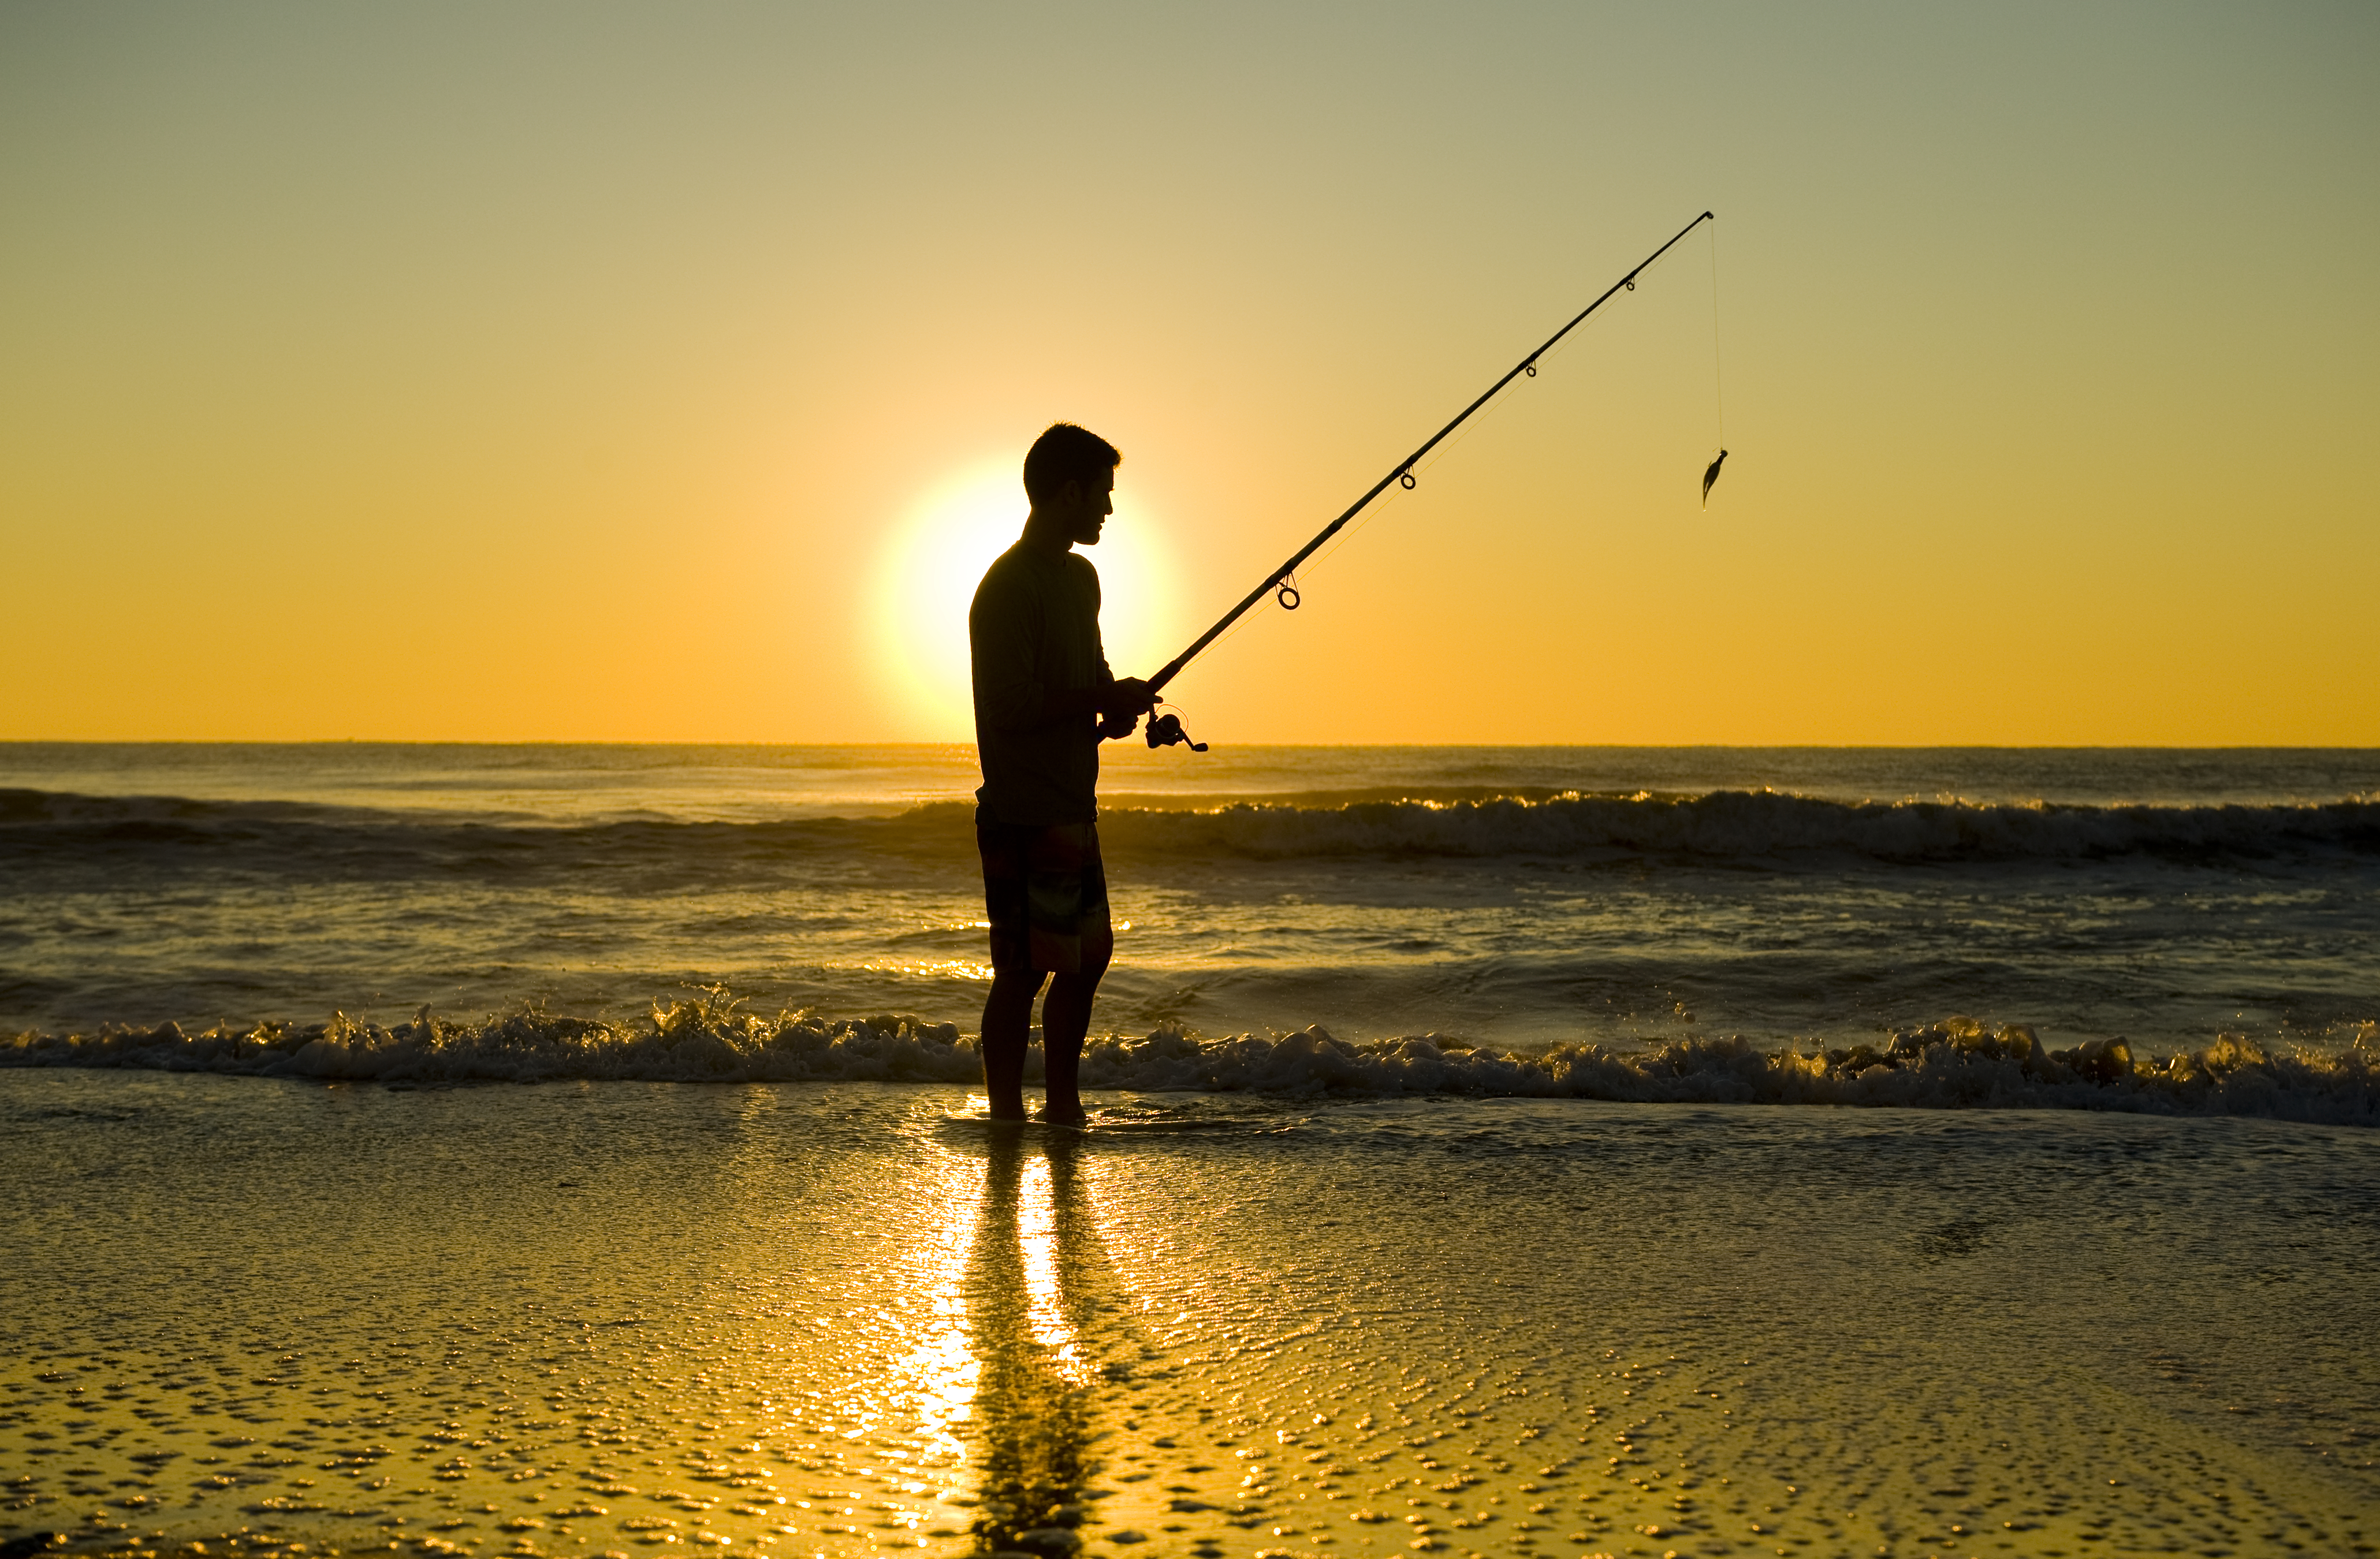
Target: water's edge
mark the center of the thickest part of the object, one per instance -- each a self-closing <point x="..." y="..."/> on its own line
<point x="1956" y="1064"/>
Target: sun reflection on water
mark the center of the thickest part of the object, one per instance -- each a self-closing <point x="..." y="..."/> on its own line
<point x="1036" y="1262"/>
<point x="1037" y="1238"/>
<point x="938" y="1373"/>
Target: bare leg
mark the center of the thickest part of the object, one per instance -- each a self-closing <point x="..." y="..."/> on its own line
<point x="1007" y="1023"/>
<point x="1065" y="1019"/>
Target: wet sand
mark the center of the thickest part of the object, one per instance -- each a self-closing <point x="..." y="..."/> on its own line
<point x="587" y="1318"/>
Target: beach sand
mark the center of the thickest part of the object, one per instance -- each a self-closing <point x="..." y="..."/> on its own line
<point x="591" y="1318"/>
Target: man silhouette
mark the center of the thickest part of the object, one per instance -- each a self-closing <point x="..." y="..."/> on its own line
<point x="1044" y="698"/>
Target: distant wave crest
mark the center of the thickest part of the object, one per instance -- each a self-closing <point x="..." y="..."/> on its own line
<point x="1718" y="826"/>
<point x="1726" y="825"/>
<point x="1955" y="1064"/>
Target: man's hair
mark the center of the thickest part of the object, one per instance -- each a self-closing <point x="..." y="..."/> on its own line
<point x="1066" y="453"/>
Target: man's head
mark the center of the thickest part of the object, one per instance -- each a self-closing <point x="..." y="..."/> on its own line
<point x="1069" y="474"/>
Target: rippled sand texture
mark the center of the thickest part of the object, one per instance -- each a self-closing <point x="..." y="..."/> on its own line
<point x="828" y="1320"/>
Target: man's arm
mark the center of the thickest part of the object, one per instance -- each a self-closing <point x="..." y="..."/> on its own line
<point x="1114" y="726"/>
<point x="1003" y="633"/>
<point x="1124" y="698"/>
<point x="1003" y="636"/>
<point x="1127" y="701"/>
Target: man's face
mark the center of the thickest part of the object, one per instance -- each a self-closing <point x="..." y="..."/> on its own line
<point x="1086" y="507"/>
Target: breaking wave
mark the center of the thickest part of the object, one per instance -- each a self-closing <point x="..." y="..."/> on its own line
<point x="1956" y="1064"/>
<point x="1752" y="824"/>
<point x="1718" y="826"/>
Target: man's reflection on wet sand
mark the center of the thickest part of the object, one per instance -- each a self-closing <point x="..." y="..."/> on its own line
<point x="1031" y="1285"/>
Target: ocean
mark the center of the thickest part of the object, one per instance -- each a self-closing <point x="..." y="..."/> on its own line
<point x="573" y="1149"/>
<point x="1531" y="902"/>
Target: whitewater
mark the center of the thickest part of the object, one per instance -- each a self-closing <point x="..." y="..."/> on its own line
<point x="1956" y="1064"/>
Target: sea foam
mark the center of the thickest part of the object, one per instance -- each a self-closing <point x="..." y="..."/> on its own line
<point x="1955" y="1064"/>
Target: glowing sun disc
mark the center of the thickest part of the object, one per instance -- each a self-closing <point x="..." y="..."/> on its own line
<point x="934" y="558"/>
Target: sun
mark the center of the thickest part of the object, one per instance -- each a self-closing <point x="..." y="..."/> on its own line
<point x="935" y="557"/>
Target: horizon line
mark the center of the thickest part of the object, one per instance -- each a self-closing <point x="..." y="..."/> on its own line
<point x="1269" y="746"/>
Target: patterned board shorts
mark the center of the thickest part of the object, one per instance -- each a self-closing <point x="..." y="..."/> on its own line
<point x="1047" y="891"/>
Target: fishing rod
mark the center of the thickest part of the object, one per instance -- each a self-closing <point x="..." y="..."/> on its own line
<point x="1164" y="730"/>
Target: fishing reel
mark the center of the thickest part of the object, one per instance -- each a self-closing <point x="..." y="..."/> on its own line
<point x="1165" y="731"/>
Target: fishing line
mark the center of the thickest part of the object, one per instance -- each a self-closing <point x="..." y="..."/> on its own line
<point x="1718" y="383"/>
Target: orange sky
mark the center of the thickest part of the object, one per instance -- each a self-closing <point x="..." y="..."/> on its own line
<point x="611" y="372"/>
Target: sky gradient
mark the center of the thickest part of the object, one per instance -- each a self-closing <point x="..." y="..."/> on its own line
<point x="596" y="372"/>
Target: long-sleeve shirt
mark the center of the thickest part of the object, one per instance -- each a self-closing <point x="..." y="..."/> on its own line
<point x="1034" y="629"/>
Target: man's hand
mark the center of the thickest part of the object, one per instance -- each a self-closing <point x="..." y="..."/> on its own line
<point x="1122" y="704"/>
<point x="1127" y="699"/>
